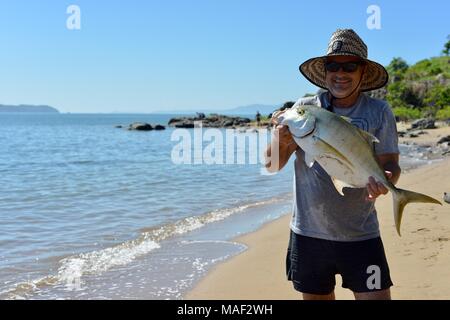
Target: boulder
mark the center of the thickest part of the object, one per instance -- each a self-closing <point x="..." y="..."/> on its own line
<point x="444" y="139"/>
<point x="140" y="126"/>
<point x="427" y="123"/>
<point x="159" y="127"/>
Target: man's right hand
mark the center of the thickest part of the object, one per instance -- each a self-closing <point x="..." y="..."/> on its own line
<point x="281" y="132"/>
<point x="284" y="136"/>
<point x="286" y="145"/>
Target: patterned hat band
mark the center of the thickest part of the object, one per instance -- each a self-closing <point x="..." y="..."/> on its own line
<point x="345" y="42"/>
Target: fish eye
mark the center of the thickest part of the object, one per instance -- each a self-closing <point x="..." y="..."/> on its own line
<point x="301" y="112"/>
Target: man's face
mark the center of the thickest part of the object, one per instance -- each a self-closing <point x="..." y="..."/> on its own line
<point x="342" y="83"/>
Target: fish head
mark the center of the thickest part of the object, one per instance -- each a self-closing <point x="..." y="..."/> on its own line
<point x="299" y="119"/>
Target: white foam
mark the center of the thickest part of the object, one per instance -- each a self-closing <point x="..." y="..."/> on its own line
<point x="95" y="262"/>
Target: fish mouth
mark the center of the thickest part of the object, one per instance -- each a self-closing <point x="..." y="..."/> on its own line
<point x="306" y="134"/>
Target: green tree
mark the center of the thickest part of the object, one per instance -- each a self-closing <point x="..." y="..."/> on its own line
<point x="438" y="98"/>
<point x="446" y="50"/>
<point x="397" y="65"/>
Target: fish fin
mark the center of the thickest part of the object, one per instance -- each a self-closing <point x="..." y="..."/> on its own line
<point x="309" y="160"/>
<point x="347" y="119"/>
<point x="327" y="150"/>
<point x="402" y="198"/>
<point x="368" y="136"/>
<point x="339" y="185"/>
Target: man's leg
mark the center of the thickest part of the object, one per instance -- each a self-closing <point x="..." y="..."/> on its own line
<point x="311" y="267"/>
<point x="374" y="295"/>
<point x="364" y="269"/>
<point x="308" y="296"/>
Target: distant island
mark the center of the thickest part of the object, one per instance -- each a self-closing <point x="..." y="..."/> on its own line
<point x="27" y="108"/>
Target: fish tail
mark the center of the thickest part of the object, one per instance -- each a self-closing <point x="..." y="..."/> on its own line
<point x="402" y="198"/>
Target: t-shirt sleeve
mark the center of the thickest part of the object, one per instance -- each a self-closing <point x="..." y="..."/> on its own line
<point x="387" y="133"/>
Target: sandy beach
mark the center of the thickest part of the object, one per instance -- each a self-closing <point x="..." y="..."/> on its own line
<point x="419" y="260"/>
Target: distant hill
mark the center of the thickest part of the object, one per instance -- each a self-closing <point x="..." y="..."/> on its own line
<point x="264" y="109"/>
<point x="27" y="108"/>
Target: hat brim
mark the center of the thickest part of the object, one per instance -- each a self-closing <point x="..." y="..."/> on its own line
<point x="375" y="75"/>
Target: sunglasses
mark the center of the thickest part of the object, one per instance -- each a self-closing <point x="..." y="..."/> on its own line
<point x="346" y="66"/>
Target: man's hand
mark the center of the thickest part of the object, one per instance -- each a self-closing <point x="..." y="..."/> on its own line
<point x="281" y="132"/>
<point x="282" y="146"/>
<point x="375" y="188"/>
<point x="283" y="135"/>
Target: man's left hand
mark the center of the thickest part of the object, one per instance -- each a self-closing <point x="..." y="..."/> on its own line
<point x="375" y="188"/>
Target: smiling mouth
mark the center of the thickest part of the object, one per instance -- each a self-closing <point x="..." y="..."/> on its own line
<point x="342" y="81"/>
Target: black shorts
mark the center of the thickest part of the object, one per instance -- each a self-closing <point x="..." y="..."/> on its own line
<point x="311" y="264"/>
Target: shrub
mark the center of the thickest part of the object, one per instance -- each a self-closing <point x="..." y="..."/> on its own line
<point x="405" y="113"/>
<point x="443" y="114"/>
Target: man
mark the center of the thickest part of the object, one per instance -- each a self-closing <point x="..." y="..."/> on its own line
<point x="330" y="233"/>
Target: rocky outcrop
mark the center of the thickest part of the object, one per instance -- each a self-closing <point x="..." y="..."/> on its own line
<point x="142" y="126"/>
<point x="423" y="124"/>
<point x="210" y="121"/>
<point x="444" y="139"/>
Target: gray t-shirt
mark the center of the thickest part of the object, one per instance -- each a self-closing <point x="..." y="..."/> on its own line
<point x="319" y="211"/>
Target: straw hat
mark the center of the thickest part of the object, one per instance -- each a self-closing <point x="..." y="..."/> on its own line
<point x="345" y="42"/>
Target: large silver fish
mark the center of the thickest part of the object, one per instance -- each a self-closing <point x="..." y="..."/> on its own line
<point x="345" y="152"/>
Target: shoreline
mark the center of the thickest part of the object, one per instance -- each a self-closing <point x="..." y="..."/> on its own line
<point x="418" y="260"/>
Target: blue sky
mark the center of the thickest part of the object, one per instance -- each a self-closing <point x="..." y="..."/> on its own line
<point x="144" y="56"/>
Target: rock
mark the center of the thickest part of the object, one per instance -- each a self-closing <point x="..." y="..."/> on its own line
<point x="378" y="93"/>
<point x="173" y="120"/>
<point x="423" y="124"/>
<point x="441" y="79"/>
<point x="227" y="123"/>
<point x="159" y="127"/>
<point x="184" y="124"/>
<point x="211" y="121"/>
<point x="140" y="126"/>
<point x="444" y="139"/>
<point x="118" y="126"/>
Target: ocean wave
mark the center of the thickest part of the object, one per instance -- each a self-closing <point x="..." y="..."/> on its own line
<point x="73" y="268"/>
